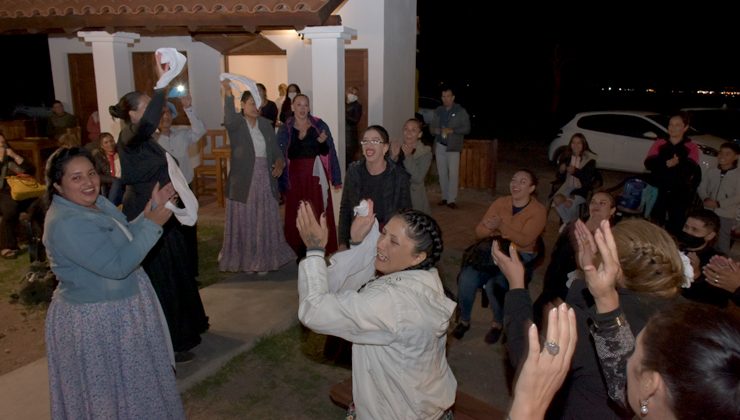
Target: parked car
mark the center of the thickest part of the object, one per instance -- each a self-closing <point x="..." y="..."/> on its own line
<point x="621" y="139"/>
<point x="723" y="122"/>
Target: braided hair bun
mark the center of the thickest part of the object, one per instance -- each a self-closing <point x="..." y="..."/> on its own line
<point x="426" y="234"/>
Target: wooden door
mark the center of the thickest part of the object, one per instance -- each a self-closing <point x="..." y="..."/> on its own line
<point x="145" y="77"/>
<point x="355" y="74"/>
<point x="84" y="91"/>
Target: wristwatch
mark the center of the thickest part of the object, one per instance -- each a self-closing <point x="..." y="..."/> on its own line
<point x="606" y="325"/>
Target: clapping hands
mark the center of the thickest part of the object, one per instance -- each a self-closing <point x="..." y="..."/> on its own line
<point x="315" y="234"/>
<point x="602" y="280"/>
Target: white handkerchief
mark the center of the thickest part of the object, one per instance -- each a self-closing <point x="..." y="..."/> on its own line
<point x="248" y="83"/>
<point x="189" y="215"/>
<point x="176" y="61"/>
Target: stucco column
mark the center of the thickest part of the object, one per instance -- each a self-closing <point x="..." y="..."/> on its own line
<point x="327" y="67"/>
<point x="113" y="71"/>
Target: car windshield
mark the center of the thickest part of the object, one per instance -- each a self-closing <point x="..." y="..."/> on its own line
<point x="663" y="121"/>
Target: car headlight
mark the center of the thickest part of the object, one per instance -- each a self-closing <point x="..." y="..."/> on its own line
<point x="707" y="150"/>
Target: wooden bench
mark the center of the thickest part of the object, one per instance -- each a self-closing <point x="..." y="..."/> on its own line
<point x="466" y="406"/>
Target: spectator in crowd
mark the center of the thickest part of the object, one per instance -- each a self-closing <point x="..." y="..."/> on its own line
<point x="268" y="108"/>
<point x="286" y="110"/>
<point x="282" y="92"/>
<point x="720" y="192"/>
<point x="576" y="173"/>
<point x="93" y="128"/>
<point x="416" y="158"/>
<point x="518" y="217"/>
<point x="449" y="126"/>
<point x="11" y="163"/>
<point x="674" y="169"/>
<point x="59" y="121"/>
<point x="353" y="115"/>
<point x="254" y="240"/>
<point x="108" y="165"/>
<point x="374" y="177"/>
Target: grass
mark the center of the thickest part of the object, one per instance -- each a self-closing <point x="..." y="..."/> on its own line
<point x="11" y="274"/>
<point x="280" y="377"/>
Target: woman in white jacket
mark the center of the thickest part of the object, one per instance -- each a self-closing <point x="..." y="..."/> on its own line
<point x="397" y="321"/>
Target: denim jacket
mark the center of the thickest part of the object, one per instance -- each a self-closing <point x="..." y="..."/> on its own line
<point x="94" y="252"/>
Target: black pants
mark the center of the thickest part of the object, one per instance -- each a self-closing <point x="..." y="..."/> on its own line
<point x="9" y="212"/>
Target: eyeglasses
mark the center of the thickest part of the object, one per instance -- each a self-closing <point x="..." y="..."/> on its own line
<point x="366" y="142"/>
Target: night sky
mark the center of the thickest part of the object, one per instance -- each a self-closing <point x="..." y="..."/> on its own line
<point x="674" y="51"/>
<point x="677" y="50"/>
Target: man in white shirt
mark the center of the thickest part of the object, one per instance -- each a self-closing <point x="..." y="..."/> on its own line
<point x="177" y="140"/>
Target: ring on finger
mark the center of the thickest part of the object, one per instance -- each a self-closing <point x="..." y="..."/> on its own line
<point x="552" y="347"/>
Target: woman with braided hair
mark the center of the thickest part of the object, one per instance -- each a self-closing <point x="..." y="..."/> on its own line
<point x="397" y="319"/>
<point x="650" y="280"/>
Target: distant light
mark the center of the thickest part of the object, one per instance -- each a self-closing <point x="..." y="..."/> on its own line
<point x="609" y="88"/>
<point x="650" y="90"/>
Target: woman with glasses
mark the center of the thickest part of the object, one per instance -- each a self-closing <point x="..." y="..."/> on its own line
<point x="376" y="177"/>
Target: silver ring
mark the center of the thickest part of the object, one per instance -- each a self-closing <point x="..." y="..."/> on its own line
<point x="716" y="280"/>
<point x="552" y="348"/>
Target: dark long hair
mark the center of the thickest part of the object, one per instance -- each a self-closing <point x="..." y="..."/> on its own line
<point x="696" y="350"/>
<point x="57" y="164"/>
<point x="426" y="234"/>
<point x="128" y="102"/>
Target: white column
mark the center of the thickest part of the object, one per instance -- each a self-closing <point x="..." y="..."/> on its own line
<point x="327" y="67"/>
<point x="113" y="71"/>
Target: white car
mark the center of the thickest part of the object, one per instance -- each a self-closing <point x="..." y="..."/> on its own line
<point x="621" y="139"/>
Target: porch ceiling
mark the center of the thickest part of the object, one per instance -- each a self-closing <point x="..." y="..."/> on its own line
<point x="164" y="17"/>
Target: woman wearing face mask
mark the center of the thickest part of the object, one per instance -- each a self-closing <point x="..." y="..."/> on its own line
<point x="143" y="164"/>
<point x="286" y="109"/>
<point x="397" y="320"/>
<point x="685" y="360"/>
<point x="312" y="166"/>
<point x="375" y="177"/>
<point x="353" y="115"/>
<point x="416" y="158"/>
<point x="253" y="236"/>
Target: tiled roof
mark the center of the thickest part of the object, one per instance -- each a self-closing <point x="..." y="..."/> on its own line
<point x="50" y="16"/>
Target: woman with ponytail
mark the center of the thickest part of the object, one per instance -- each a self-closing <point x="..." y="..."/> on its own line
<point x="385" y="296"/>
<point x="143" y="164"/>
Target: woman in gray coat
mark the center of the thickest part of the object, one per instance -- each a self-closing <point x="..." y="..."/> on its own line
<point x="416" y="158"/>
<point x="253" y="236"/>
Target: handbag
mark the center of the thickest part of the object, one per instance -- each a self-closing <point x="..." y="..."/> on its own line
<point x="478" y="255"/>
<point x="24" y="187"/>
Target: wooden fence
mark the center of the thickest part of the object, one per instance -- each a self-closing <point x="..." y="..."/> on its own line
<point x="478" y="163"/>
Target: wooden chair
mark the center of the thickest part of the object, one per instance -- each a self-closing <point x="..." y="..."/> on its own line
<point x="207" y="167"/>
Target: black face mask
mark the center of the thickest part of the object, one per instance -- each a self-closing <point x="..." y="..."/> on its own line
<point x="688" y="241"/>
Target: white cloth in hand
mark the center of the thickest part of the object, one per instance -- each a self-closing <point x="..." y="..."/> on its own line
<point x="176" y="61"/>
<point x="248" y="83"/>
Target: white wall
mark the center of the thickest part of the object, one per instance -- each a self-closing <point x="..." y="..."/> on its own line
<point x="204" y="66"/>
<point x="387" y="29"/>
<point x="270" y="70"/>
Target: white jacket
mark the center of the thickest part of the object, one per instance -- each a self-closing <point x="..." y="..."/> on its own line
<point x="725" y="189"/>
<point x="398" y="324"/>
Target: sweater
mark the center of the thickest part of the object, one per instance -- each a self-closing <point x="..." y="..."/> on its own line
<point x="522" y="228"/>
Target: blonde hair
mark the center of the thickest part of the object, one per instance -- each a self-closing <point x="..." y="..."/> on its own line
<point x="69" y="139"/>
<point x="649" y="258"/>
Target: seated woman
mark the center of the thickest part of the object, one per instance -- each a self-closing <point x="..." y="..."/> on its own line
<point x="685" y="362"/>
<point x="397" y="321"/>
<point x="108" y="349"/>
<point x="11" y="163"/>
<point x="563" y="268"/>
<point x="108" y="165"/>
<point x="518" y="217"/>
<point x="652" y="275"/>
<point x="416" y="157"/>
<point x="374" y="177"/>
<point x="576" y="172"/>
